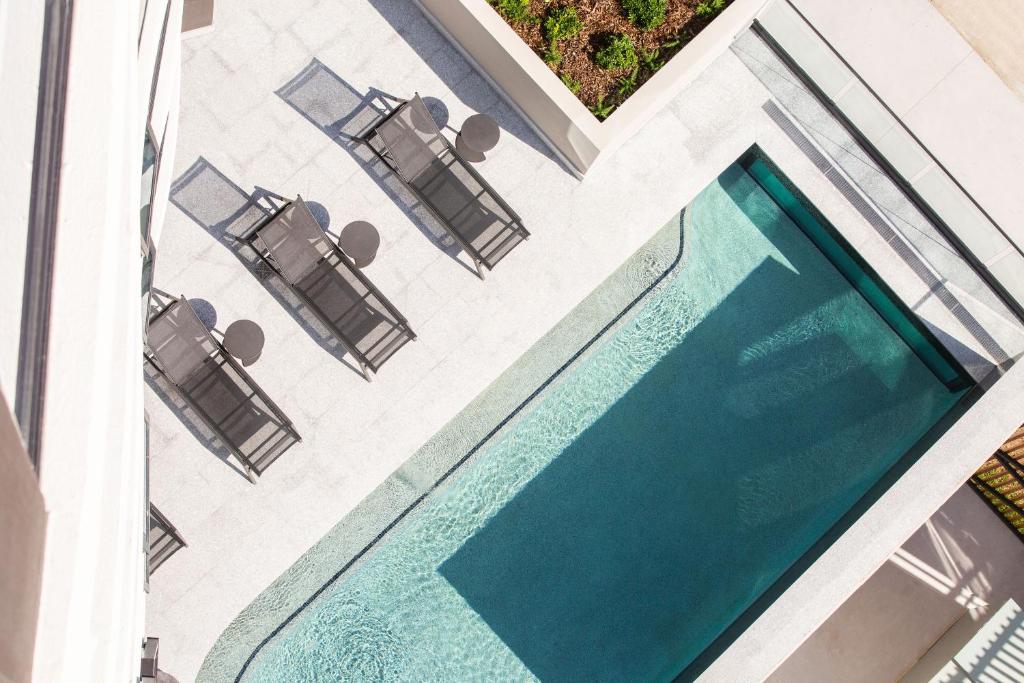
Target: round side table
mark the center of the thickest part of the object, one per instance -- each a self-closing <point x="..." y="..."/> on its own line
<point x="360" y="241"/>
<point x="478" y="136"/>
<point x="244" y="340"/>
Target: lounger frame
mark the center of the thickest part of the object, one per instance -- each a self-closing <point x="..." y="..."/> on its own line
<point x="252" y="237"/>
<point x="220" y="354"/>
<point x="516" y="228"/>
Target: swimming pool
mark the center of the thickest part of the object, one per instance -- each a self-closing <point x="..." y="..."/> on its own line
<point x="659" y="486"/>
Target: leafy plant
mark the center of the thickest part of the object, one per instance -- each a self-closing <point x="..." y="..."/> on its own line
<point x="652" y="59"/>
<point x="645" y="14"/>
<point x="515" y="10"/>
<point x="618" y="53"/>
<point x="571" y="83"/>
<point x="673" y="41"/>
<point x="602" y="110"/>
<point x="709" y="8"/>
<point x="561" y="23"/>
<point x="627" y="84"/>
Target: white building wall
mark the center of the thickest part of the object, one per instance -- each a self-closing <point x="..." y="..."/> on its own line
<point x="92" y="464"/>
<point x="21" y="30"/>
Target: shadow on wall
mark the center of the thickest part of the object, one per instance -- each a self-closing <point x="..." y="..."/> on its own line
<point x="228" y="212"/>
<point x="961" y="565"/>
<point x="966" y="554"/>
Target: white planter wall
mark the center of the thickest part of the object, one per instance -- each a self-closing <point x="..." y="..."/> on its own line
<point x="540" y="97"/>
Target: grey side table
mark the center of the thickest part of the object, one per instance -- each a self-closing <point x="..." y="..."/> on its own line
<point x="360" y="241"/>
<point x="244" y="340"/>
<point x="478" y="136"/>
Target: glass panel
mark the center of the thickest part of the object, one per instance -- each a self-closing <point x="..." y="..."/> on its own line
<point x="149" y="157"/>
<point x="868" y="284"/>
<point x="150" y="163"/>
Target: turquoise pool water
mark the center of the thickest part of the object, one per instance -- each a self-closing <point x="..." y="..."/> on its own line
<point x="656" y="490"/>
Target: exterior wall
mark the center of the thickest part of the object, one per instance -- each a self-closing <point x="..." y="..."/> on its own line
<point x="995" y="31"/>
<point x="92" y="464"/>
<point x="21" y="30"/>
<point x="955" y="571"/>
<point x="22" y="528"/>
<point x="531" y="88"/>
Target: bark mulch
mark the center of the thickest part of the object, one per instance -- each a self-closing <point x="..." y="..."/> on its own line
<point x="601" y="19"/>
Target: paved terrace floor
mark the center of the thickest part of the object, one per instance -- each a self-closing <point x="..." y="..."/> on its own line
<point x="266" y="99"/>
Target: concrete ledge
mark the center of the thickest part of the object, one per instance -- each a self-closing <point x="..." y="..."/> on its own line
<point x="891" y="137"/>
<point x="540" y="97"/>
<point x="867" y="544"/>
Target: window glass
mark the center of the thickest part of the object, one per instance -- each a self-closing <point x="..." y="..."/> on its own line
<point x="149" y="153"/>
<point x="150" y="159"/>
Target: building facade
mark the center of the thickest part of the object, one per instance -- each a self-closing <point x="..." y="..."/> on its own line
<point x="90" y="119"/>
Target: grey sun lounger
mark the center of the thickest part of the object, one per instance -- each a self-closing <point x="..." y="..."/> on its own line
<point x="293" y="244"/>
<point x="164" y="539"/>
<point x="409" y="141"/>
<point x="183" y="353"/>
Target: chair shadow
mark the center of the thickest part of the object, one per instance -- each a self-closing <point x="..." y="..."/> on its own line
<point x="193" y="423"/>
<point x="169" y="395"/>
<point x="345" y="115"/>
<point x="226" y="211"/>
<point x="175" y="398"/>
<point x="438" y="53"/>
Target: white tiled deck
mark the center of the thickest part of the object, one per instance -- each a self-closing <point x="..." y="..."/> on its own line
<point x="242" y="536"/>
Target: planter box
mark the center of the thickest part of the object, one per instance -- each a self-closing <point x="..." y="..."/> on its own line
<point x="532" y="89"/>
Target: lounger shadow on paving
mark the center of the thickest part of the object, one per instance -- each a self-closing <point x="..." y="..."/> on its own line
<point x="294" y="245"/>
<point x="409" y="141"/>
<point x="226" y="399"/>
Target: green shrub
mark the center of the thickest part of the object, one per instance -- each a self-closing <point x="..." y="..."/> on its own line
<point x="618" y="53"/>
<point x="602" y="110"/>
<point x="645" y="14"/>
<point x="652" y="60"/>
<point x="571" y="83"/>
<point x="627" y="84"/>
<point x="552" y="55"/>
<point x="562" y="23"/>
<point x="515" y="10"/>
<point x="709" y="8"/>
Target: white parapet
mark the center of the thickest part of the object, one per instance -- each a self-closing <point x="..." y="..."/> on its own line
<point x="540" y="97"/>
